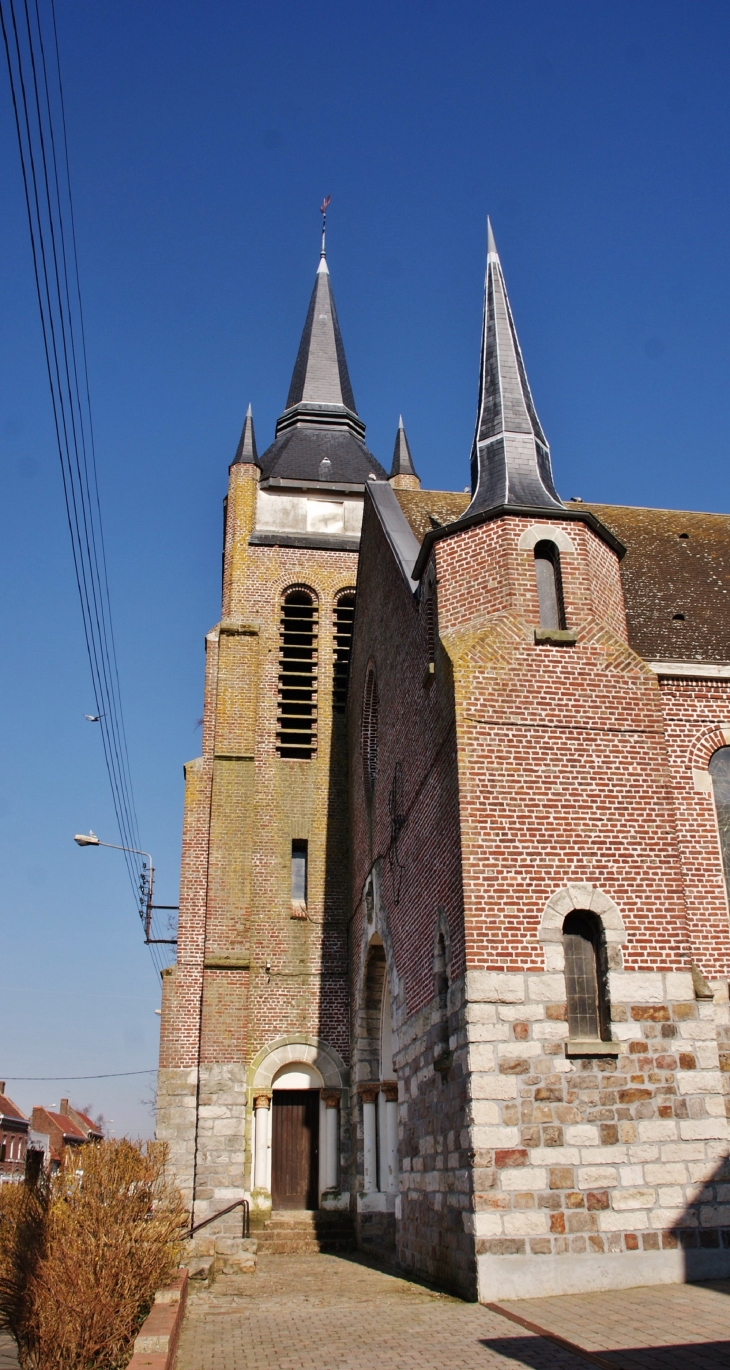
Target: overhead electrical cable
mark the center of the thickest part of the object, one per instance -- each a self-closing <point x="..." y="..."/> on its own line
<point x="40" y="121"/>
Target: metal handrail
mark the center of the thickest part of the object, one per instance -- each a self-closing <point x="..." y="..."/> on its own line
<point x="240" y="1203"/>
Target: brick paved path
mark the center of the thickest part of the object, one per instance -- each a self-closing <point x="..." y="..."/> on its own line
<point x="666" y="1327"/>
<point x="336" y="1313"/>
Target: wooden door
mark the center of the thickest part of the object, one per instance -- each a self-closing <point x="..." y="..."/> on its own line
<point x="295" y="1148"/>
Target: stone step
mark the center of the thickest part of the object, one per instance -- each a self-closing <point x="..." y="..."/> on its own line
<point x="300" y="1231"/>
<point x="306" y="1217"/>
<point x="291" y="1245"/>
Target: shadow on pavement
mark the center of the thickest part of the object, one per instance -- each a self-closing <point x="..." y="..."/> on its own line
<point x="533" y="1352"/>
<point x="538" y="1353"/>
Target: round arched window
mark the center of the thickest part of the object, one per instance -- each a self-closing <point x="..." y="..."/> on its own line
<point x="720" y="771"/>
<point x="369" y="729"/>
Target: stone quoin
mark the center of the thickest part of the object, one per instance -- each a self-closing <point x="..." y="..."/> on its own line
<point x="453" y="943"/>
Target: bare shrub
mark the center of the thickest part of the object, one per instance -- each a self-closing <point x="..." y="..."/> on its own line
<point x="82" y="1253"/>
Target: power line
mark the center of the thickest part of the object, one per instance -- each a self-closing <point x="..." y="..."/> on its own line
<point x="40" y="121"/>
<point x="56" y="1079"/>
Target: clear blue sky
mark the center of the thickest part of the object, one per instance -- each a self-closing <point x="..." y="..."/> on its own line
<point x="202" y="139"/>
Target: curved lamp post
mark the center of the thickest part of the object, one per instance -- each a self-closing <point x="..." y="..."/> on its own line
<point x="147" y="881"/>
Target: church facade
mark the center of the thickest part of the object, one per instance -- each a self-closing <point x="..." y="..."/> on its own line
<point x="454" y="945"/>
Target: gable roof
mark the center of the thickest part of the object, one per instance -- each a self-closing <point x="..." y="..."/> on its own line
<point x="10" y="1112"/>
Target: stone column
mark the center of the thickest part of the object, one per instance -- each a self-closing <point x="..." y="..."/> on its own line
<point x="261" y="1103"/>
<point x="369" y="1093"/>
<point x="390" y="1168"/>
<point x="331" y="1098"/>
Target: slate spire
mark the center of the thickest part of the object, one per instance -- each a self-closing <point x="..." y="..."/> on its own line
<point x="510" y="457"/>
<point x="246" y="451"/>
<point x="320" y="435"/>
<point x="403" y="472"/>
<point x="320" y="378"/>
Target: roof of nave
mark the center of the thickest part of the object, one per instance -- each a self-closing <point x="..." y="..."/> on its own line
<point x="429" y="509"/>
<point x="664" y="574"/>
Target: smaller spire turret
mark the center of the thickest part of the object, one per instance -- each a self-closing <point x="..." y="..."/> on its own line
<point x="246" y="452"/>
<point x="403" y="472"/>
<point x="510" y="456"/>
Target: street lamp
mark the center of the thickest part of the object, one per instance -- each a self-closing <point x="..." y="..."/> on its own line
<point x="146" y="885"/>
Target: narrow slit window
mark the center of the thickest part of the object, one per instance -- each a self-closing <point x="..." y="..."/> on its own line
<point x="344" y="617"/>
<point x="549" y="585"/>
<point x="297" y="709"/>
<point x="585" y="978"/>
<point x="720" y="772"/>
<point x="299" y="872"/>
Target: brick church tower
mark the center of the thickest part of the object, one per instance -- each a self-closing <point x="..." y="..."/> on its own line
<point x="253" y="1084"/>
<point x="454" y="938"/>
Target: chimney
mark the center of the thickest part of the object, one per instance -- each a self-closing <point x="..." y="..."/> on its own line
<point x="2" y="1086"/>
<point x="64" y="1107"/>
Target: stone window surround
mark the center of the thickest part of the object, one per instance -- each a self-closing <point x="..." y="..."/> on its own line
<point x="587" y="898"/>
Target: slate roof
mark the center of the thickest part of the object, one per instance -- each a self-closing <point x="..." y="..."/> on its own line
<point x="663" y="573"/>
<point x="320" y="371"/>
<point x="402" y="464"/>
<point x="320" y="422"/>
<point x="510" y="456"/>
<point x="246" y="452"/>
<point x="298" y="455"/>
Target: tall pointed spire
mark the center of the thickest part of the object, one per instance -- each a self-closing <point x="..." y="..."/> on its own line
<point x="510" y="457"/>
<point x="320" y="377"/>
<point x="403" y="472"/>
<point x="246" y="450"/>
<point x="320" y="435"/>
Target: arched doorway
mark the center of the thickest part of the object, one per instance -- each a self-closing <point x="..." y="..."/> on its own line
<point x="295" y="1106"/>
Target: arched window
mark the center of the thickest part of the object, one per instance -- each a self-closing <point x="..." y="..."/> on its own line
<point x="585" y="977"/>
<point x="343" y="621"/>
<point x="441" y="1051"/>
<point x="720" y="772"/>
<point x="549" y="585"/>
<point x="431" y="628"/>
<point x="369" y="729"/>
<point x="297" y="711"/>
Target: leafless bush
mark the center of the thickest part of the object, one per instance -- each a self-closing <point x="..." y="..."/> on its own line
<point x="82" y="1253"/>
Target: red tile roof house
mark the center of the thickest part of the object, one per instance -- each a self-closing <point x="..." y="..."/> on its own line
<point x="67" y="1127"/>
<point x="13" y="1138"/>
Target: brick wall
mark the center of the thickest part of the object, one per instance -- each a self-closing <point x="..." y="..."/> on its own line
<point x="573" y="783"/>
<point x="248" y="973"/>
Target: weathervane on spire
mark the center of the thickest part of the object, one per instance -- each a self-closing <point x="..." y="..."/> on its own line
<point x="323" y="211"/>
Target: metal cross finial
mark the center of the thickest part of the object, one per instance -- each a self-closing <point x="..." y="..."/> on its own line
<point x="323" y="211"/>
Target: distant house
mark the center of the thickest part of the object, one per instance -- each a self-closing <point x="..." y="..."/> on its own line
<point x="67" y="1127"/>
<point x="14" y="1128"/>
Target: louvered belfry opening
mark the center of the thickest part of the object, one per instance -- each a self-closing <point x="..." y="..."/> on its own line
<point x="344" y="618"/>
<point x="297" y="715"/>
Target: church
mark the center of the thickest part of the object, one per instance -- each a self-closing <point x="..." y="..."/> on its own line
<point x="453" y="946"/>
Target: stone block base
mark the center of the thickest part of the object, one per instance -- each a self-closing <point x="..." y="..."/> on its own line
<point x="537" y="1277"/>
